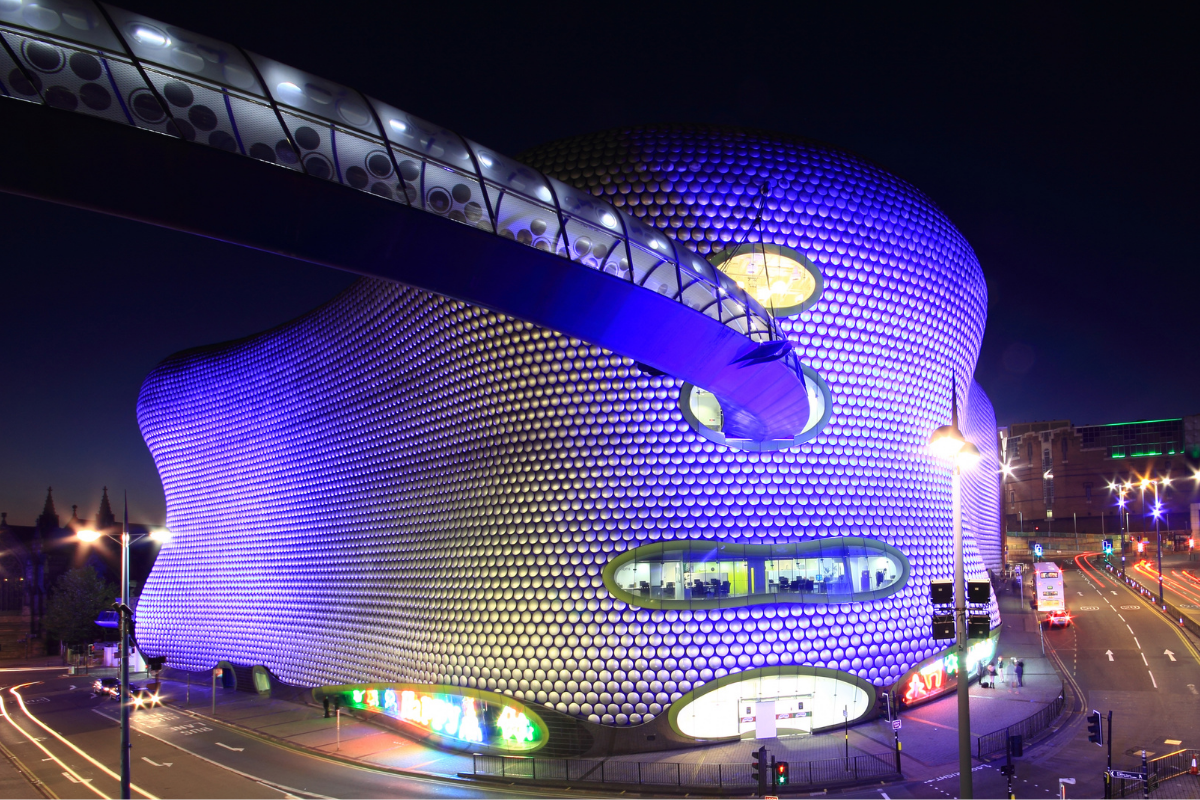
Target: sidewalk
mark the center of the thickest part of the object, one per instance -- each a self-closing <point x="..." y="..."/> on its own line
<point x="929" y="736"/>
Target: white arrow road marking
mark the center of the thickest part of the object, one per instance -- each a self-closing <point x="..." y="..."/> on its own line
<point x="73" y="779"/>
<point x="1112" y="591"/>
<point x="1169" y="654"/>
<point x="1109" y="654"/>
<point x="155" y="763"/>
<point x="1081" y="594"/>
<point x="72" y="688"/>
<point x="227" y="747"/>
<point x="1152" y="679"/>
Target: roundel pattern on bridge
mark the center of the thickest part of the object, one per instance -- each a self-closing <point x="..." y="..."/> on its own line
<point x="403" y="487"/>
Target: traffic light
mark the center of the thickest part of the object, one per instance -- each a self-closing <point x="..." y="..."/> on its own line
<point x="1191" y="543"/>
<point x="781" y="773"/>
<point x="1037" y="550"/>
<point x="1141" y="547"/>
<point x="155" y="663"/>
<point x="1095" y="728"/>
<point x="1108" y="547"/>
<point x="1016" y="745"/>
<point x="760" y="768"/>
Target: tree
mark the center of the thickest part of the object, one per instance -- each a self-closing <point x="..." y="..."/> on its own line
<point x="78" y="598"/>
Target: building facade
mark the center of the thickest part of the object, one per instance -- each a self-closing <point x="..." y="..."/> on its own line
<point x="483" y="524"/>
<point x="1061" y="478"/>
<point x="400" y="487"/>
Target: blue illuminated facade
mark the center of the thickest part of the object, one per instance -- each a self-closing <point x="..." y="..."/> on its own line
<point x="403" y="488"/>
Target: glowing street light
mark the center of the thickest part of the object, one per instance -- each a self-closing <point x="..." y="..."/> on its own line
<point x="159" y="535"/>
<point x="948" y="443"/>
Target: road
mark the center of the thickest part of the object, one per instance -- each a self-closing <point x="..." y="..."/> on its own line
<point x="1119" y="654"/>
<point x="1116" y="655"/>
<point x="1181" y="581"/>
<point x="70" y="741"/>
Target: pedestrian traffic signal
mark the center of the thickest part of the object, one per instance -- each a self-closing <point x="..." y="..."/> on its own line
<point x="1108" y="547"/>
<point x="1095" y="728"/>
<point x="1191" y="542"/>
<point x="781" y="773"/>
<point x="760" y="767"/>
<point x="1016" y="745"/>
<point x="1141" y="547"/>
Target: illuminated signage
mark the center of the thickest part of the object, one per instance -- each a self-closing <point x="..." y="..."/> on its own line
<point x="941" y="674"/>
<point x="460" y="717"/>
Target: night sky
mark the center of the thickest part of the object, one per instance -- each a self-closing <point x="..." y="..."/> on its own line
<point x="1062" y="141"/>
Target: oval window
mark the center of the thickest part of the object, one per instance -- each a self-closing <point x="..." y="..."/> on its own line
<point x="703" y="413"/>
<point x="772" y="701"/>
<point x="783" y="280"/>
<point x="697" y="573"/>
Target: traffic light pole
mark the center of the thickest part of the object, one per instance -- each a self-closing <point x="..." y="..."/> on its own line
<point x="125" y="694"/>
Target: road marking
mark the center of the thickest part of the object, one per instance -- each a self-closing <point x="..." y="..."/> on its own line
<point x="1109" y="654"/>
<point x="287" y="790"/>
<point x="13" y="691"/>
<point x="71" y="777"/>
<point x="1152" y="679"/>
<point x="1173" y="742"/>
<point x="42" y="747"/>
<point x="1144" y="661"/>
<point x="1130" y="629"/>
<point x="1168" y="654"/>
<point x="227" y="747"/>
<point x="1122" y="618"/>
<point x="1081" y="594"/>
<point x="72" y="688"/>
<point x="1135" y="641"/>
<point x="155" y="763"/>
<point x="1112" y="591"/>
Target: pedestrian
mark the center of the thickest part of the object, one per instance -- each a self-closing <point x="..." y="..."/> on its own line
<point x="1000" y="668"/>
<point x="1020" y="670"/>
<point x="991" y="676"/>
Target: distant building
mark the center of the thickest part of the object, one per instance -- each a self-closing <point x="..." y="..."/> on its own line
<point x="34" y="557"/>
<point x="1057" y="475"/>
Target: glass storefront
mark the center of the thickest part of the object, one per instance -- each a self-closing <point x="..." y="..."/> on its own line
<point x="694" y="573"/>
<point x="775" y="701"/>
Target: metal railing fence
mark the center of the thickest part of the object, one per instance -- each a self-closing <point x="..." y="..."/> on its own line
<point x="810" y="774"/>
<point x="997" y="741"/>
<point x="1160" y="770"/>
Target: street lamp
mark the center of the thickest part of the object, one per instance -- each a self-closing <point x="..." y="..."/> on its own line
<point x="123" y="608"/>
<point x="948" y="443"/>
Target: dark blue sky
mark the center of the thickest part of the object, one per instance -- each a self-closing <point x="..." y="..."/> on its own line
<point x="1060" y="139"/>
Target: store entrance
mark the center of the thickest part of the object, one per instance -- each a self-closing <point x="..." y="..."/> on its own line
<point x="793" y="714"/>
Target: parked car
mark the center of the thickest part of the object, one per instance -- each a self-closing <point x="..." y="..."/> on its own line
<point x="106" y="686"/>
<point x="1058" y="619"/>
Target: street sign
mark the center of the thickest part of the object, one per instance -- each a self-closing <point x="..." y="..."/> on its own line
<point x="1126" y="774"/>
<point x="895" y="724"/>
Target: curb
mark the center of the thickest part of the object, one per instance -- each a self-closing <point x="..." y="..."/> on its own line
<point x="312" y="751"/>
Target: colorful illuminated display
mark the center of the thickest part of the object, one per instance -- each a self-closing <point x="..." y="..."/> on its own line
<point x="941" y="674"/>
<point x="401" y="484"/>
<point x="480" y="718"/>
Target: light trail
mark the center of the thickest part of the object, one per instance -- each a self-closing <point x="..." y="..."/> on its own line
<point x="66" y="770"/>
<point x="62" y="739"/>
<point x="1151" y="573"/>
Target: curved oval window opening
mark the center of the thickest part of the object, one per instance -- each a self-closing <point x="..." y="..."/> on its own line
<point x="697" y="573"/>
<point x="703" y="413"/>
<point x="783" y="280"/>
<point x="775" y="701"/>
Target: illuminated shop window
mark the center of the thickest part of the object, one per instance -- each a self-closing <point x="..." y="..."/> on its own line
<point x="706" y="574"/>
<point x="703" y="412"/>
<point x="458" y="717"/>
<point x="783" y="280"/>
<point x="770" y="701"/>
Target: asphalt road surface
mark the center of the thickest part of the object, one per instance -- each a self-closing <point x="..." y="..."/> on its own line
<point x="1119" y="654"/>
<point x="174" y="755"/>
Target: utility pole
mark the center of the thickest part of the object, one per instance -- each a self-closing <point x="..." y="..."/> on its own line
<point x="125" y="610"/>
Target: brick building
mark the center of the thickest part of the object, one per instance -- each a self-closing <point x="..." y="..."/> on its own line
<point x="1057" y="476"/>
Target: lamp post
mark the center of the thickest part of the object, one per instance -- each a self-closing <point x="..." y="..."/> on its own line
<point x="947" y="442"/>
<point x="1158" y="535"/>
<point x="126" y="612"/>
